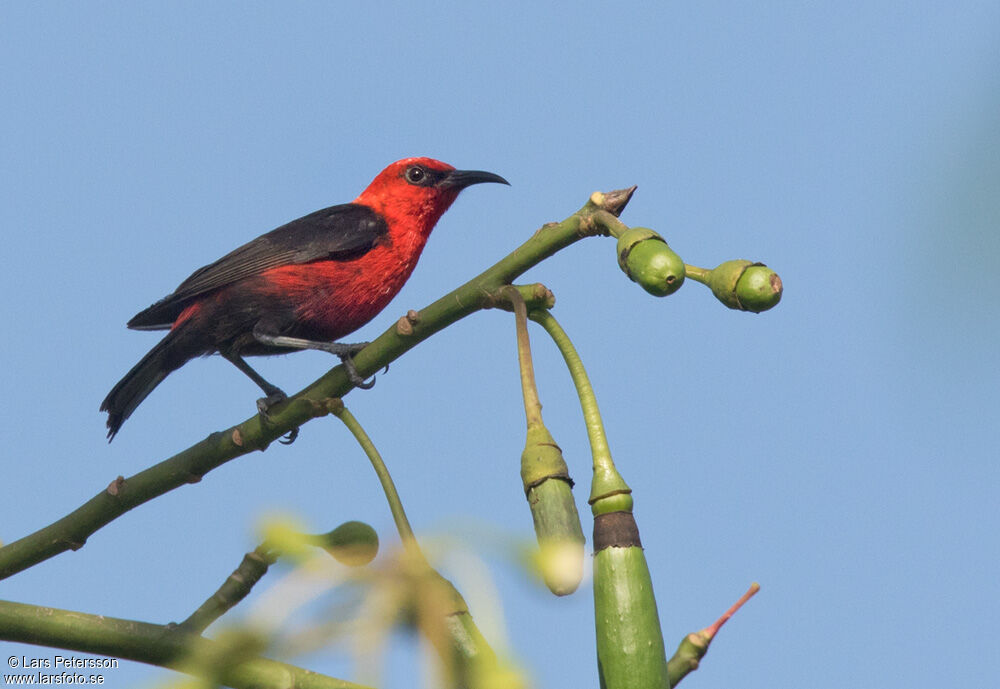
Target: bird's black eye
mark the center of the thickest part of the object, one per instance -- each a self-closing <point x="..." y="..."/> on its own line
<point x="416" y="175"/>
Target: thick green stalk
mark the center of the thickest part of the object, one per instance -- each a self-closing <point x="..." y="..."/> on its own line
<point x="121" y="495"/>
<point x="630" y="651"/>
<point x="467" y="659"/>
<point x="151" y="643"/>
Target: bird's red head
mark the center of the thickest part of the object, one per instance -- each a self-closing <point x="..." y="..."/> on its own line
<point x="415" y="192"/>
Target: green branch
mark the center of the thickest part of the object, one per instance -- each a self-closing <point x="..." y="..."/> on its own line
<point x="155" y="644"/>
<point x="71" y="532"/>
<point x="352" y="543"/>
<point x="121" y="495"/>
<point x="235" y="588"/>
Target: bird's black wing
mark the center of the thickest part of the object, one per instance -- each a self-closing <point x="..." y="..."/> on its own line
<point x="337" y="233"/>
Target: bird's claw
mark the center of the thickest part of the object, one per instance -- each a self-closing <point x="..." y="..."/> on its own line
<point x="264" y="405"/>
<point x="354" y="376"/>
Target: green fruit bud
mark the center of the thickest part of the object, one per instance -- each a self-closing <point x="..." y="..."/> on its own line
<point x="759" y="288"/>
<point x="559" y="534"/>
<point x="547" y="486"/>
<point x="745" y="286"/>
<point x="648" y="260"/>
<point x="628" y="239"/>
<point x="352" y="543"/>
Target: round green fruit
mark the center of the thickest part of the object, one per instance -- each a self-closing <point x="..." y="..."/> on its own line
<point x="759" y="288"/>
<point x="656" y="267"/>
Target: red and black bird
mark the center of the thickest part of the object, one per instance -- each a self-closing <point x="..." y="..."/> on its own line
<point x="303" y="285"/>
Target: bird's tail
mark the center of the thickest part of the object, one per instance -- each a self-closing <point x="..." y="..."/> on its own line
<point x="168" y="355"/>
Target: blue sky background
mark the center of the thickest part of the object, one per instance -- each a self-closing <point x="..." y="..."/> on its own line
<point x="840" y="449"/>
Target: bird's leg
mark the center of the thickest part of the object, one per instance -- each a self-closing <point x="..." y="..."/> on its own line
<point x="273" y="392"/>
<point x="269" y="389"/>
<point x="339" y="349"/>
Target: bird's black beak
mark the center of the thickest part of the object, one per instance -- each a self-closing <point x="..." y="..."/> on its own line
<point x="460" y="179"/>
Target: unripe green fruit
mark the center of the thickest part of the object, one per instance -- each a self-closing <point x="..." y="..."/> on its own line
<point x="557" y="523"/>
<point x="648" y="260"/>
<point x="745" y="286"/>
<point x="352" y="543"/>
<point x="759" y="288"/>
<point x="560" y="537"/>
<point x="628" y="239"/>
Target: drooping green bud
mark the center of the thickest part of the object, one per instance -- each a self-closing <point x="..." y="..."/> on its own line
<point x="560" y="537"/>
<point x="548" y="488"/>
<point x="352" y="543"/>
<point x="647" y="259"/>
<point x="745" y="286"/>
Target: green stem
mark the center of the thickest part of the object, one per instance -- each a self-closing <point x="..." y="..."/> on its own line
<point x="612" y="225"/>
<point x="388" y="487"/>
<point x="607" y="480"/>
<point x="529" y="390"/>
<point x="150" y="643"/>
<point x="697" y="274"/>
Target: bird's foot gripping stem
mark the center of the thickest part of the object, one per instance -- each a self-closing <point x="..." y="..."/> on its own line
<point x="264" y="404"/>
<point x="352" y="373"/>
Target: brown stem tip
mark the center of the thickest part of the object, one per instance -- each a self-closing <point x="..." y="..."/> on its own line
<point x="615" y="201"/>
<point x="709" y="632"/>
